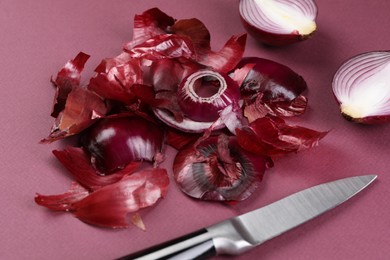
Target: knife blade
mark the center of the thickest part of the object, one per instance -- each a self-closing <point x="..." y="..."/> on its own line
<point x="239" y="234"/>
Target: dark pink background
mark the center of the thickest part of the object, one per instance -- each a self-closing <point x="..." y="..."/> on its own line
<point x="38" y="37"/>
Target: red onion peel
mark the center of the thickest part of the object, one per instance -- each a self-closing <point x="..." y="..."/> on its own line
<point x="81" y="110"/>
<point x="268" y="87"/>
<point x="117" y="141"/>
<point x="218" y="169"/>
<point x="271" y="136"/>
<point x="110" y="205"/>
<point x="79" y="165"/>
<point x="67" y="78"/>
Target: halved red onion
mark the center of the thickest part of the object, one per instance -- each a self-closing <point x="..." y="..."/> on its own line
<point x="362" y="87"/>
<point x="217" y="168"/>
<point x="268" y="87"/>
<point x="115" y="142"/>
<point x="279" y="22"/>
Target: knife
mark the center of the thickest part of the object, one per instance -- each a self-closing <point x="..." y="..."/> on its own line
<point x="239" y="234"/>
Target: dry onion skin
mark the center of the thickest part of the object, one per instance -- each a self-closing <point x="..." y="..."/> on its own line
<point x="279" y="22"/>
<point x="362" y="88"/>
<point x="218" y="169"/>
<point x="222" y="112"/>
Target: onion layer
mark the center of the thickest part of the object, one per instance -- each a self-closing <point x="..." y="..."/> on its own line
<point x="271" y="136"/>
<point x="115" y="142"/>
<point x="268" y="87"/>
<point x="279" y="22"/>
<point x="110" y="205"/>
<point x="362" y="87"/>
<point x="218" y="169"/>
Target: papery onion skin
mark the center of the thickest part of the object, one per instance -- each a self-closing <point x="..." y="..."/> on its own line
<point x="115" y="76"/>
<point x="79" y="165"/>
<point x="82" y="109"/>
<point x="272" y="78"/>
<point x="150" y="23"/>
<point x="362" y="89"/>
<point x="217" y="169"/>
<point x="110" y="205"/>
<point x="67" y="78"/>
<point x="62" y="202"/>
<point x="272" y="87"/>
<point x="219" y="91"/>
<point x="267" y="30"/>
<point x="115" y="142"/>
<point x="272" y="136"/>
<point x="75" y="107"/>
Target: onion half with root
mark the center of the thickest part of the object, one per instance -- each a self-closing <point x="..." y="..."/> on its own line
<point x="279" y="22"/>
<point x="362" y="87"/>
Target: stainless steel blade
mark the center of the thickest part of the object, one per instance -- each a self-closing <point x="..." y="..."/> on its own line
<point x="246" y="231"/>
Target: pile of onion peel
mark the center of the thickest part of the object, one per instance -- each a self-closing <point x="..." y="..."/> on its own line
<point x="222" y="112"/>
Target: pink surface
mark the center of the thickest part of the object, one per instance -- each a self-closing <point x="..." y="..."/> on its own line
<point x="38" y="37"/>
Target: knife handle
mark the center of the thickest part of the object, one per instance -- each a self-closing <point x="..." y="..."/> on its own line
<point x="197" y="245"/>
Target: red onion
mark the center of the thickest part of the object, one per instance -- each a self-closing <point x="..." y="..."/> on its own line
<point x="201" y="97"/>
<point x="279" y="22"/>
<point x="115" y="142"/>
<point x="203" y="94"/>
<point x="218" y="169"/>
<point x="362" y="87"/>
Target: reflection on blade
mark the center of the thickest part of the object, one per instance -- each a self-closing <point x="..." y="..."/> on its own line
<point x="251" y="229"/>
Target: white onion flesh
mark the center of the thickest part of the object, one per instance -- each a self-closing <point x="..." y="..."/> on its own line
<point x="280" y="16"/>
<point x="362" y="86"/>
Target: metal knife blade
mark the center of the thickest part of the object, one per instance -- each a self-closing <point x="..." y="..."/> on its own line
<point x="244" y="232"/>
